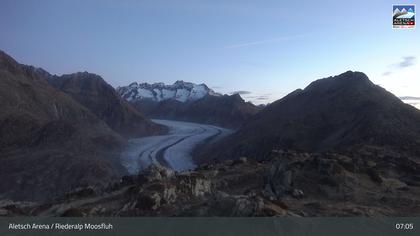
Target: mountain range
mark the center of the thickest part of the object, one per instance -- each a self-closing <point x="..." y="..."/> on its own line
<point x="342" y="146"/>
<point x="180" y="91"/>
<point x="188" y="102"/>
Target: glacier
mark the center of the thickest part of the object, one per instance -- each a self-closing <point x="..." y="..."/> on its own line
<point x="172" y="150"/>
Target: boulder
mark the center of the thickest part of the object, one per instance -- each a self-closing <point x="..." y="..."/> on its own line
<point x="195" y="184"/>
<point x="297" y="193"/>
<point x="148" y="201"/>
<point x="155" y="173"/>
<point x="239" y="205"/>
<point x="374" y="175"/>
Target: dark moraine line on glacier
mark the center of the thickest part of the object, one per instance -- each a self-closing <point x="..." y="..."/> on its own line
<point x="172" y="150"/>
<point x="160" y="155"/>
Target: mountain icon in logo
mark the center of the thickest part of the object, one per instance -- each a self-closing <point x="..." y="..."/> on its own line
<point x="401" y="12"/>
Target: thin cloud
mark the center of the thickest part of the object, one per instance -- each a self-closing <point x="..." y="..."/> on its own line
<point x="259" y="99"/>
<point x="273" y="40"/>
<point x="406" y="62"/>
<point x="216" y="87"/>
<point x="265" y="96"/>
<point x="262" y="98"/>
<point x="409" y="98"/>
<point x="240" y="92"/>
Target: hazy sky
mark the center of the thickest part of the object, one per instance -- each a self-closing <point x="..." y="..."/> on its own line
<point x="264" y="48"/>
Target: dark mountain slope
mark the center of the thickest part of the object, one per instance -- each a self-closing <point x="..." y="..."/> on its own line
<point x="228" y="111"/>
<point x="49" y="143"/>
<point x="333" y="114"/>
<point x="94" y="93"/>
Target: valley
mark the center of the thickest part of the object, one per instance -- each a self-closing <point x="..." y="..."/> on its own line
<point x="72" y="145"/>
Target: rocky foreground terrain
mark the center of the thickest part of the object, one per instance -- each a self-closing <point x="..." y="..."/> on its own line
<point x="366" y="182"/>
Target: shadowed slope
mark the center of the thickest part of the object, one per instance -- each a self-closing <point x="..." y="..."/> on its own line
<point x="94" y="93"/>
<point x="49" y="143"/>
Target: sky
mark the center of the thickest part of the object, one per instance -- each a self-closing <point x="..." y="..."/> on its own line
<point x="262" y="49"/>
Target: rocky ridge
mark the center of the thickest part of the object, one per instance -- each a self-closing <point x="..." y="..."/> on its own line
<point x="99" y="97"/>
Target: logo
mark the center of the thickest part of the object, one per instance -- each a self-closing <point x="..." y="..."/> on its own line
<point x="403" y="16"/>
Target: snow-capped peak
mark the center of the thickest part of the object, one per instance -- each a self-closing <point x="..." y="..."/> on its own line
<point x="181" y="91"/>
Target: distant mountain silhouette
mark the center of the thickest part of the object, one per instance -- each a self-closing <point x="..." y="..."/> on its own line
<point x="94" y="93"/>
<point x="332" y="114"/>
